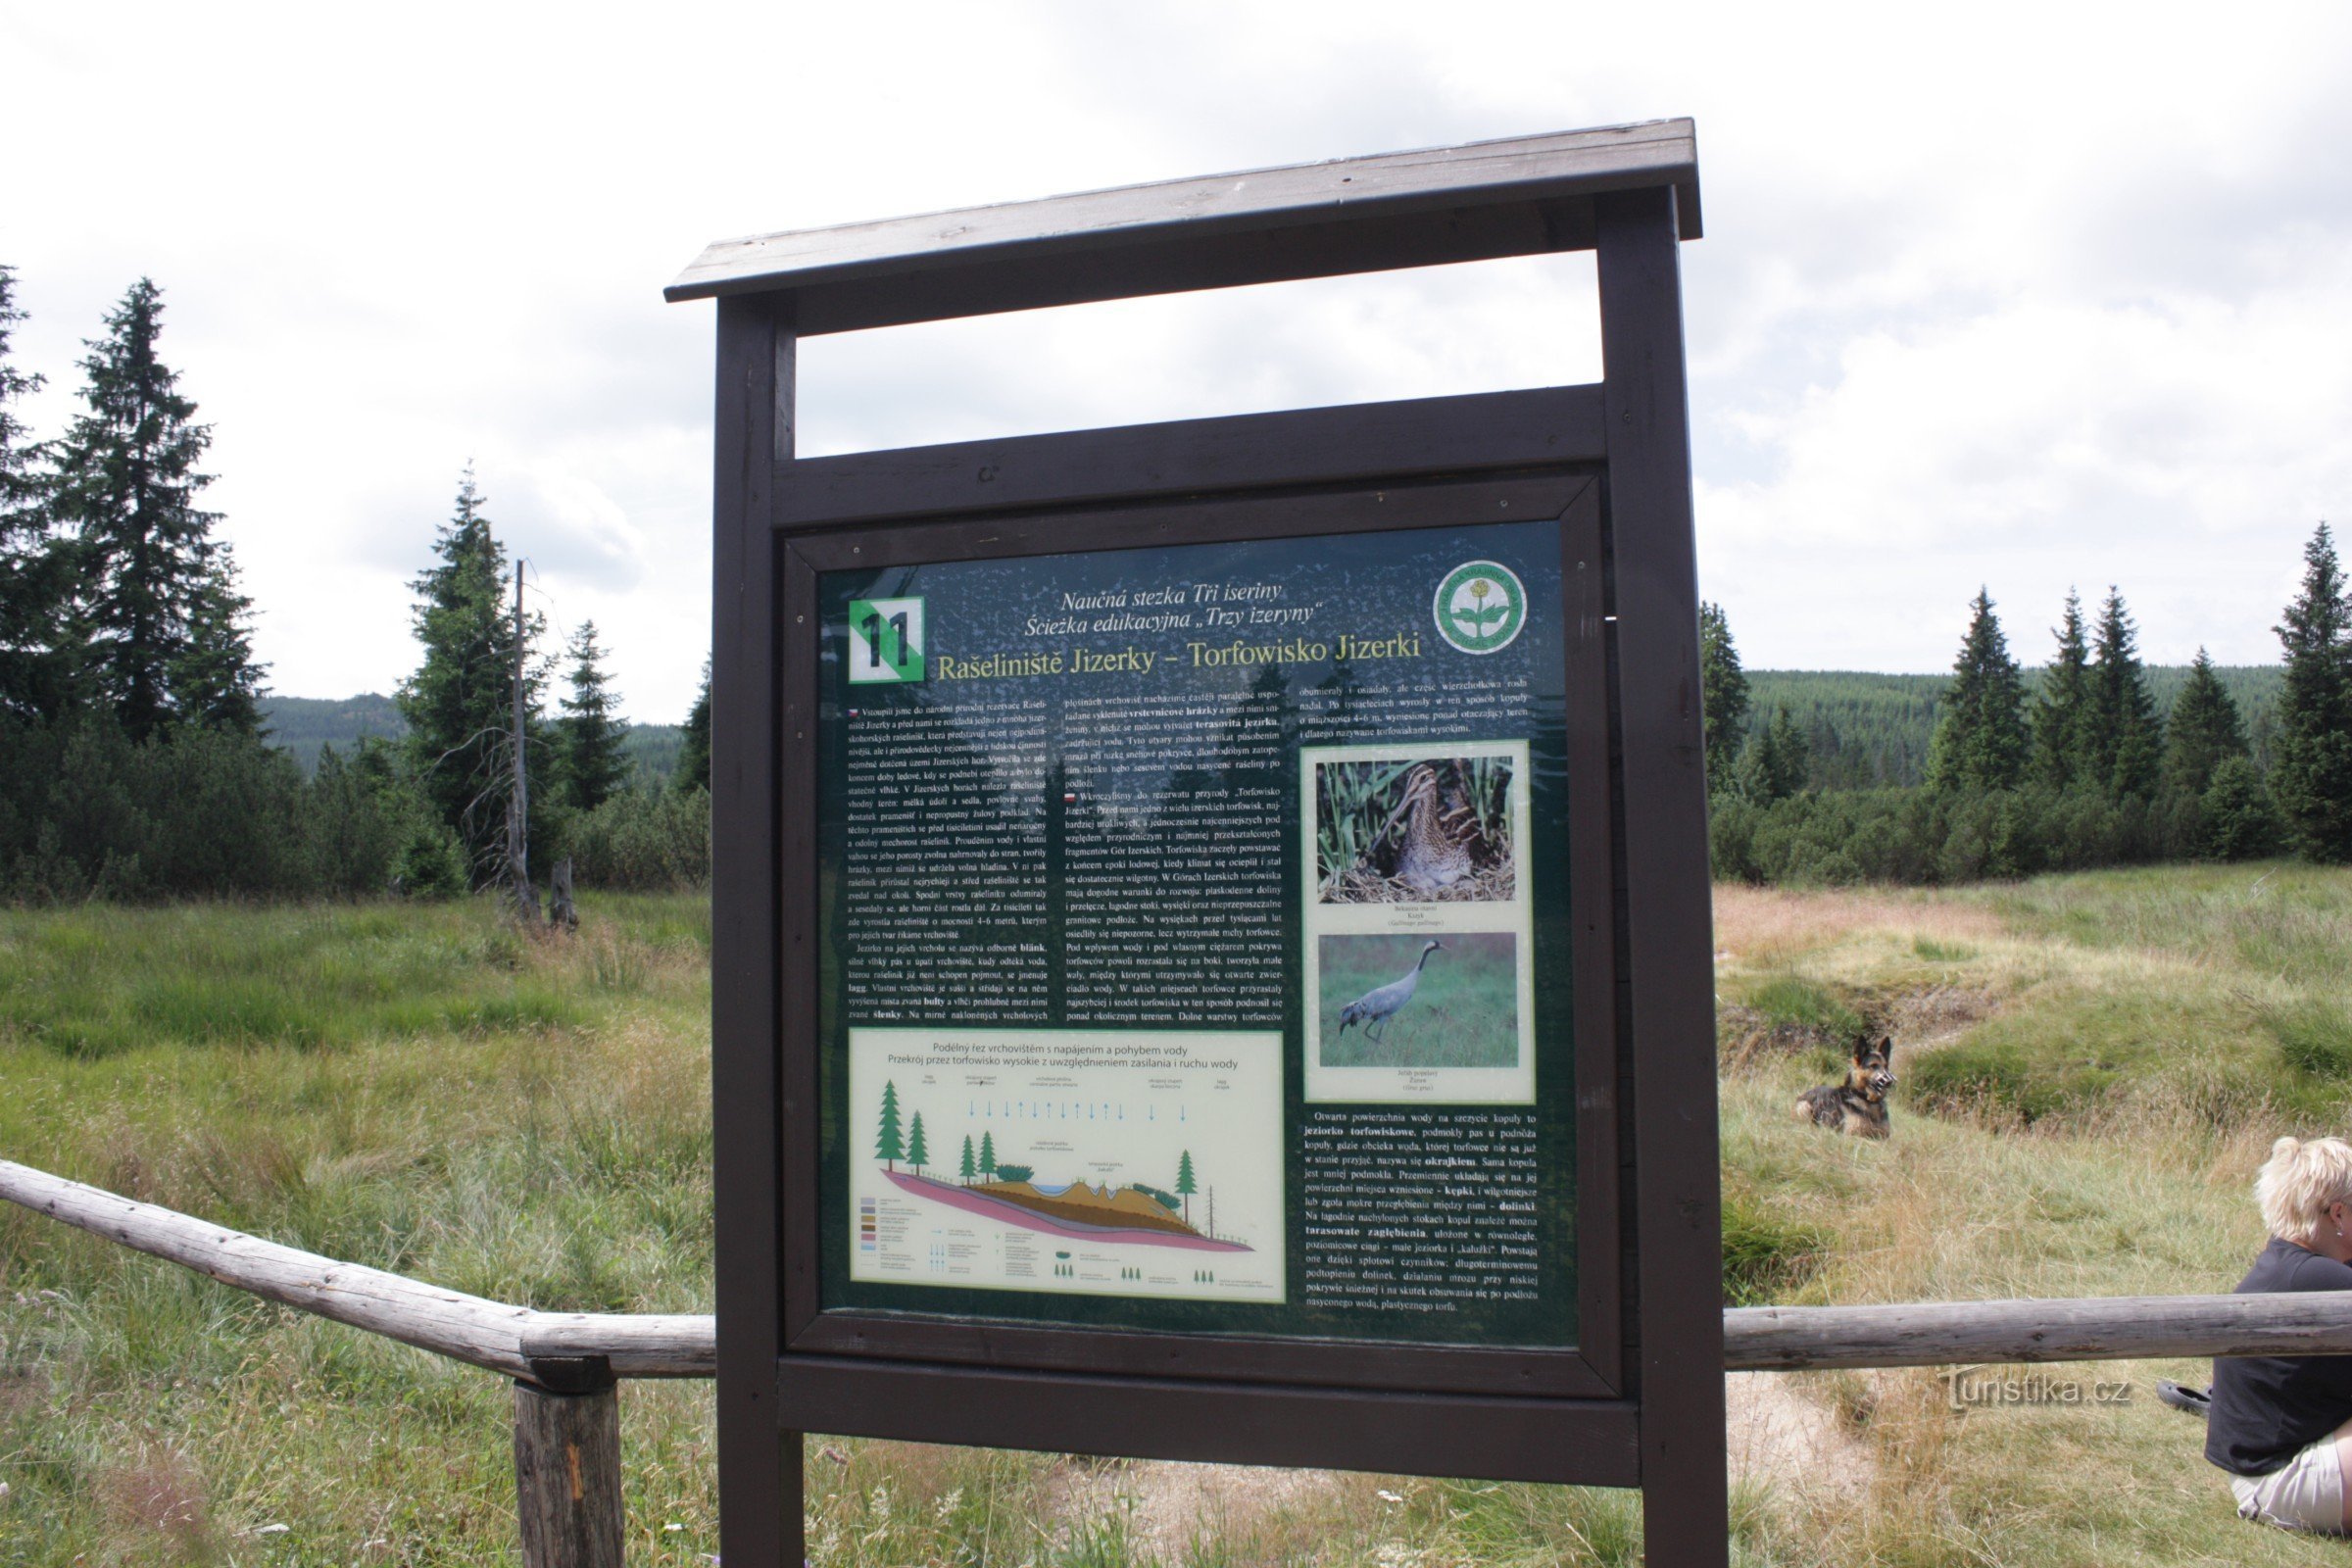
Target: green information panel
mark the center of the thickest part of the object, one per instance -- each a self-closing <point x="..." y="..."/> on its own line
<point x="1195" y="939"/>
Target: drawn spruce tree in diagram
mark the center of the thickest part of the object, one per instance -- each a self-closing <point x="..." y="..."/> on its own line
<point x="888" y="1149"/>
<point x="1127" y="1212"/>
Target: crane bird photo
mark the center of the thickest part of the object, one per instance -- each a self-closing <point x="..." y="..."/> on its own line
<point x="1419" y="1001"/>
<point x="1376" y="1006"/>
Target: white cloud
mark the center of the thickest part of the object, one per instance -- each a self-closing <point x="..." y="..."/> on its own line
<point x="2027" y="294"/>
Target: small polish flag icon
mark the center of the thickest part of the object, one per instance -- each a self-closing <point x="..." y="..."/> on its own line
<point x="1070" y="800"/>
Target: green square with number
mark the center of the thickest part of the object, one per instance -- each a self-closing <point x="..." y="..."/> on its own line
<point x="886" y="640"/>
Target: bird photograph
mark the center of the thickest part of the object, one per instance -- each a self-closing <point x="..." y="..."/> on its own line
<point x="1415" y="830"/>
<point x="1419" y="1001"/>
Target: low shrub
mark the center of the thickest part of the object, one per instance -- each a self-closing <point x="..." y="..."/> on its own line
<point x="646" y="841"/>
<point x="87" y="813"/>
<point x="1926" y="837"/>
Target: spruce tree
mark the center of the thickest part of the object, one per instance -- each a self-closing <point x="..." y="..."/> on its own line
<point x="215" y="681"/>
<point x="1777" y="760"/>
<point x="157" y="604"/>
<point x="2310" y="772"/>
<point x="2125" y="739"/>
<point x="2062" y="711"/>
<point x="458" y="702"/>
<point x="1980" y="740"/>
<point x="589" y="737"/>
<point x="33" y="566"/>
<point x="2205" y="730"/>
<point x="694" y="752"/>
<point x="2240" y="820"/>
<point x="1723" y="693"/>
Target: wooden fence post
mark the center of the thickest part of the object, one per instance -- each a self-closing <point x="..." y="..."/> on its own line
<point x="568" y="1473"/>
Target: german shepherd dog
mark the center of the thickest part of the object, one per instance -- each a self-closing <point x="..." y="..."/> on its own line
<point x="1857" y="1105"/>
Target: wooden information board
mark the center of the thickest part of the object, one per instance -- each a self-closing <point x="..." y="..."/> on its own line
<point x="1212" y="951"/>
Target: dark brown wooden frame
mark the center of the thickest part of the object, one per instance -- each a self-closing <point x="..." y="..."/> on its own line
<point x="1590" y="1370"/>
<point x="1647" y="1407"/>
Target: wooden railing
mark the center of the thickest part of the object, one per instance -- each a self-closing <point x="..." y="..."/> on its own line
<point x="566" y="1365"/>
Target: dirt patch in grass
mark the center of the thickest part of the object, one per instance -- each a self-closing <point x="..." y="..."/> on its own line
<point x="1783" y="1437"/>
<point x="1937" y="1015"/>
<point x="156" y="1509"/>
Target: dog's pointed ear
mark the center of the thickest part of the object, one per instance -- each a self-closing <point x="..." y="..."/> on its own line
<point x="1886" y="1048"/>
<point x="1861" y="1048"/>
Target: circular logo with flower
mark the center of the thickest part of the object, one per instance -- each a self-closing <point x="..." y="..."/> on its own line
<point x="1479" y="607"/>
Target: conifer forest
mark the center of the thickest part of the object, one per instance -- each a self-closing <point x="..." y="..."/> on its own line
<point x="142" y="755"/>
<point x="138" y="758"/>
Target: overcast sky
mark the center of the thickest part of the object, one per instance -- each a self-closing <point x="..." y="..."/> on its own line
<point x="2022" y="296"/>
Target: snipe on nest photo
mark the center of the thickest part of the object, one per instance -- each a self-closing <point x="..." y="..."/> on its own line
<point x="1414" y="830"/>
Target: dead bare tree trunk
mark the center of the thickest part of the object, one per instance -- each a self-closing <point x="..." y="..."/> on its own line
<point x="519" y="801"/>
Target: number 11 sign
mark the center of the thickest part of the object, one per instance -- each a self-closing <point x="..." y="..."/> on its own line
<point x="889" y="638"/>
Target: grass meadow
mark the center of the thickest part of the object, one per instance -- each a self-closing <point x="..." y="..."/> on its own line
<point x="2091" y="1067"/>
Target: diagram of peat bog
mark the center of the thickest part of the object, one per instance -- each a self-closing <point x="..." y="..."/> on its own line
<point x="1161" y="1183"/>
<point x="1014" y="1194"/>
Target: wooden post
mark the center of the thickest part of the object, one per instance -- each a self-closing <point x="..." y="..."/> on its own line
<point x="1678" y="1204"/>
<point x="758" y="1457"/>
<point x="567" y="1475"/>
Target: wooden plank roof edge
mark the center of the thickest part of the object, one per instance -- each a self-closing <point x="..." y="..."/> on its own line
<point x="1480" y="174"/>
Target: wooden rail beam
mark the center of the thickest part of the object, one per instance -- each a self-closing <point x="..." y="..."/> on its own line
<point x="578" y="1351"/>
<point x="451" y="1323"/>
<point x="2112" y="1328"/>
<point x="635" y="1345"/>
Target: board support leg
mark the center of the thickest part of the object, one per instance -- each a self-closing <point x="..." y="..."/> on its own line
<point x="1669" y="901"/>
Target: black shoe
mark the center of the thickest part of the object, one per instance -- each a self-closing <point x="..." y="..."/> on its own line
<point x="2195" y="1402"/>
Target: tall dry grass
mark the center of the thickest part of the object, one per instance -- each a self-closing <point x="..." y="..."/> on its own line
<point x="426" y="1090"/>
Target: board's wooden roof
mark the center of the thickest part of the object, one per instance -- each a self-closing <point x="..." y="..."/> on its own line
<point x="1516" y="197"/>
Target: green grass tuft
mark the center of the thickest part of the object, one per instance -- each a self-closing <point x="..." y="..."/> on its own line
<point x="1788" y="1001"/>
<point x="2315" y="1036"/>
<point x="1768" y="1256"/>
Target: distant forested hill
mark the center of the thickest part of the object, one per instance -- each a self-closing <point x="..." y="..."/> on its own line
<point x="1869" y="729"/>
<point x="1866" y="729"/>
<point x="302" y="725"/>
